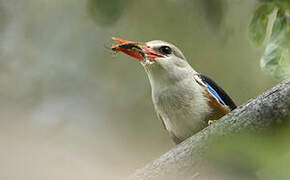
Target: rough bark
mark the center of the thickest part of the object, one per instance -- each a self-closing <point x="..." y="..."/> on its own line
<point x="188" y="161"/>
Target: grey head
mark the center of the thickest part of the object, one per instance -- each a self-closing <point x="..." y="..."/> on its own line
<point x="171" y="66"/>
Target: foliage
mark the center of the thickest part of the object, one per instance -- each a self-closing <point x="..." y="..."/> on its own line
<point x="272" y="19"/>
<point x="214" y="12"/>
<point x="106" y="12"/>
<point x="258" y="25"/>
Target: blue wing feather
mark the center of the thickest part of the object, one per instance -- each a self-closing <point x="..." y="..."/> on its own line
<point x="215" y="93"/>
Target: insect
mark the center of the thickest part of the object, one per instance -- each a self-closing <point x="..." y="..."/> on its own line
<point x="129" y="46"/>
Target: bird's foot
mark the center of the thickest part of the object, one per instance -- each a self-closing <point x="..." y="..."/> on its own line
<point x="210" y="122"/>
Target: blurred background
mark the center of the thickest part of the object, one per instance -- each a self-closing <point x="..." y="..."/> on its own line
<point x="70" y="109"/>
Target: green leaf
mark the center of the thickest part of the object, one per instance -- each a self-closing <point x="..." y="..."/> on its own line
<point x="279" y="25"/>
<point x="258" y="25"/>
<point x="284" y="4"/>
<point x="276" y="59"/>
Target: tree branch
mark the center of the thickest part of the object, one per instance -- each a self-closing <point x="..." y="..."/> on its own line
<point x="187" y="160"/>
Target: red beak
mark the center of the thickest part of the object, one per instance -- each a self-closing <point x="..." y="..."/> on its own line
<point x="134" y="49"/>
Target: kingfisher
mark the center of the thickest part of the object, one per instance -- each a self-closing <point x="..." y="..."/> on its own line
<point x="185" y="101"/>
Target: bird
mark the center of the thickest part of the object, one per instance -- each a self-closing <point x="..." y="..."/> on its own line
<point x="184" y="100"/>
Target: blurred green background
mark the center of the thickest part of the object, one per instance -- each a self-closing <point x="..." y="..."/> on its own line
<point x="72" y="110"/>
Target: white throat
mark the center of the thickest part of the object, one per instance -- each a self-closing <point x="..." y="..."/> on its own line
<point x="165" y="75"/>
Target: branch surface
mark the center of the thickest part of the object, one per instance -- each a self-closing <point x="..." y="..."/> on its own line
<point x="187" y="160"/>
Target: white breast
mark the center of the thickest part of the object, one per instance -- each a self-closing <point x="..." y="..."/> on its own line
<point x="182" y="107"/>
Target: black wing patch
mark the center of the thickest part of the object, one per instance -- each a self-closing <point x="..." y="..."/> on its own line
<point x="225" y="99"/>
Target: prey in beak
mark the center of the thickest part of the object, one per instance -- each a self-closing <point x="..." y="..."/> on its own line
<point x="139" y="51"/>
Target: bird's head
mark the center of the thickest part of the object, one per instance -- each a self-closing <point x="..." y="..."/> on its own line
<point x="161" y="60"/>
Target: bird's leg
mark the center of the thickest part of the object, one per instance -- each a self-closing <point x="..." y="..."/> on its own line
<point x="210" y="122"/>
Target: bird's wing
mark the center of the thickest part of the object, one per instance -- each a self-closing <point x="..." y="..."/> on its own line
<point x="161" y="119"/>
<point x="215" y="90"/>
<point x="173" y="136"/>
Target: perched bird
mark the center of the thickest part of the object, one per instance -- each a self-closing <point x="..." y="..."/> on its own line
<point x="184" y="100"/>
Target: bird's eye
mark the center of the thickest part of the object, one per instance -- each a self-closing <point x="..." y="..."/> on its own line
<point x="165" y="50"/>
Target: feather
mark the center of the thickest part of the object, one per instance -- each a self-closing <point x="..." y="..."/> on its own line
<point x="217" y="91"/>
